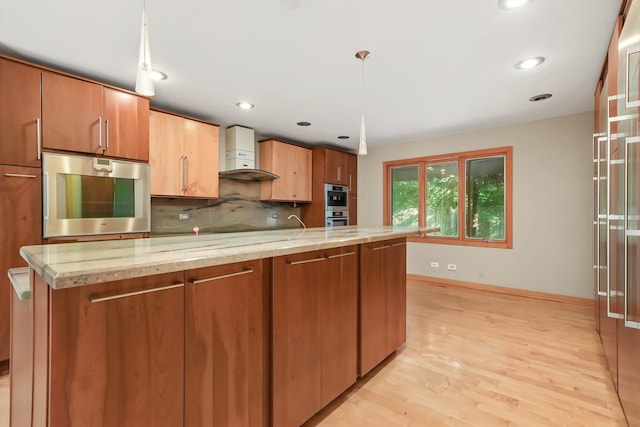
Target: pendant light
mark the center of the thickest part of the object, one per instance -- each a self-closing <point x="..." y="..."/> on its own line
<point x="362" y="147"/>
<point x="144" y="81"/>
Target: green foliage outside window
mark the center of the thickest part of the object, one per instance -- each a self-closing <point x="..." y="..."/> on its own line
<point x="485" y="198"/>
<point x="482" y="196"/>
<point x="404" y="196"/>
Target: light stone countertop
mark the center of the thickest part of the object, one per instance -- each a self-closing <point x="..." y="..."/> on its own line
<point x="76" y="264"/>
<point x="19" y="278"/>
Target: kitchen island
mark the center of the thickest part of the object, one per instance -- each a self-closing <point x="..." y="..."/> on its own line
<point x="255" y="328"/>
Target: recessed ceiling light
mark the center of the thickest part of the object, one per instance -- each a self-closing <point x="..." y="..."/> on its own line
<point x="510" y="4"/>
<point x="244" y="105"/>
<point x="158" y="75"/>
<point x="344" y="137"/>
<point x="540" y="97"/>
<point x="525" y="64"/>
<point x="303" y="124"/>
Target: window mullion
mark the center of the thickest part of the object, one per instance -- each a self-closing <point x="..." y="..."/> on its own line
<point x="422" y="195"/>
<point x="462" y="198"/>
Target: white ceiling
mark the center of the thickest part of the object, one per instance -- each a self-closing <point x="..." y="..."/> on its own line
<point x="436" y="66"/>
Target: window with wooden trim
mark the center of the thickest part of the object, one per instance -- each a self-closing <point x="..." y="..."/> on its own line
<point x="467" y="195"/>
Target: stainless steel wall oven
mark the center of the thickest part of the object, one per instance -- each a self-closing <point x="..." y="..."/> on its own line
<point x="336" y="205"/>
<point x="94" y="195"/>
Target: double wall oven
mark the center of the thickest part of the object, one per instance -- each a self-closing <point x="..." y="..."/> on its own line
<point x="336" y="205"/>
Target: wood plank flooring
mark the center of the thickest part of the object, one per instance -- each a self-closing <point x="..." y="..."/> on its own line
<point x="477" y="358"/>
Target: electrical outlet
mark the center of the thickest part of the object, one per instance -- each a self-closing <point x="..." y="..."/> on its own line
<point x="451" y="267"/>
<point x="435" y="264"/>
<point x="184" y="216"/>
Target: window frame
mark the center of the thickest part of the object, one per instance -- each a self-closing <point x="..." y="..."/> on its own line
<point x="461" y="158"/>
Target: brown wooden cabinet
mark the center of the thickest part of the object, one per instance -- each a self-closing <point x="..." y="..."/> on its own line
<point x="382" y="301"/>
<point x="335" y="166"/>
<point x="20" y="225"/>
<point x="126" y="125"/>
<point x="20" y="142"/>
<point x="331" y="167"/>
<point x="183" y="156"/>
<point x="314" y="331"/>
<point x="115" y="355"/>
<point x="293" y="165"/>
<point x="86" y="117"/>
<point x="227" y="345"/>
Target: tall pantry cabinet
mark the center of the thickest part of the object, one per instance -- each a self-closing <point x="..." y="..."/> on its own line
<point x="616" y="219"/>
<point x="20" y="176"/>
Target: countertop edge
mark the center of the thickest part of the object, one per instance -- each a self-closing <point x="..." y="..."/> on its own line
<point x="63" y="280"/>
<point x="19" y="278"/>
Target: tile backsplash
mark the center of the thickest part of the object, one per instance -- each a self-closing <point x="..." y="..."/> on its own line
<point x="237" y="209"/>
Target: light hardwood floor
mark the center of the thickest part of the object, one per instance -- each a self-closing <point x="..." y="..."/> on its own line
<point x="476" y="358"/>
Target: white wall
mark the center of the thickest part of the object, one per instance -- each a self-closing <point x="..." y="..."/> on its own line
<point x="552" y="203"/>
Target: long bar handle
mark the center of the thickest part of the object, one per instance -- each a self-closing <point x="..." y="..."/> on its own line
<point x="19" y="175"/>
<point x="339" y="173"/>
<point x="182" y="173"/>
<point x="398" y="244"/>
<point x="186" y="174"/>
<point x="39" y="138"/>
<point x="100" y="131"/>
<point x="98" y="298"/>
<point x="306" y="261"/>
<point x="295" y="185"/>
<point x="45" y="194"/>
<point x="224" y="276"/>
<point x="380" y="247"/>
<point x="341" y="255"/>
<point x="106" y="130"/>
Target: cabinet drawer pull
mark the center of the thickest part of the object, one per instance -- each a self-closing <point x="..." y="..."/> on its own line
<point x="341" y="255"/>
<point x="98" y="298"/>
<point x="224" y="276"/>
<point x="19" y="175"/>
<point x="380" y="247"/>
<point x="305" y="261"/>
<point x="398" y="244"/>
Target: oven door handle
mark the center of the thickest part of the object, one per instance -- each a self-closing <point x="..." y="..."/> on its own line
<point x="45" y="194"/>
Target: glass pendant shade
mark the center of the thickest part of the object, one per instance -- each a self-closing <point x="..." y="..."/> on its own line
<point x="362" y="147"/>
<point x="144" y="82"/>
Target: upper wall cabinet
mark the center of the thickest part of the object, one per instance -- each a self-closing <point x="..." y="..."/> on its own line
<point x="293" y="164"/>
<point x="126" y="125"/>
<point x="183" y="156"/>
<point x="86" y="117"/>
<point x="20" y="142"/>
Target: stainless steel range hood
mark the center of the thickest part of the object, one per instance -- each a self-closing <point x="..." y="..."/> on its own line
<point x="249" y="175"/>
<point x="240" y="156"/>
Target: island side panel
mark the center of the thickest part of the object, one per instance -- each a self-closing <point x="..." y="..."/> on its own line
<point x="40" y="294"/>
<point x="21" y="360"/>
